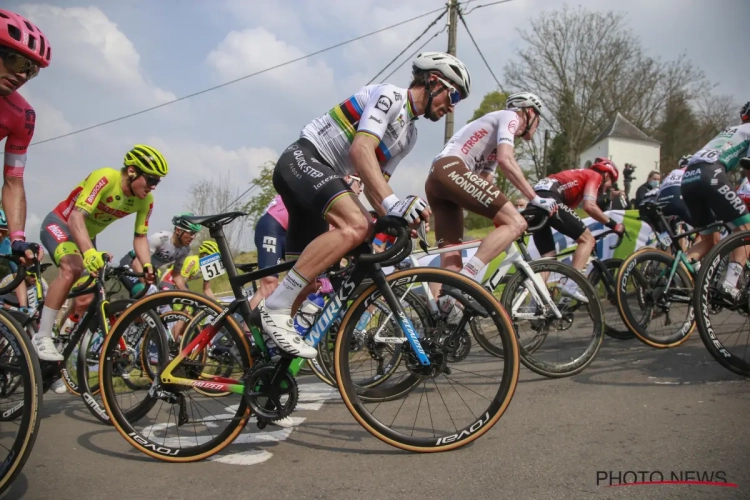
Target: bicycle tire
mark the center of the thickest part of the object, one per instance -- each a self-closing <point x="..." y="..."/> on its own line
<point x="635" y="320"/>
<point x="14" y="338"/>
<point x="594" y="277"/>
<point x="88" y="392"/>
<point x="148" y="307"/>
<point x="594" y="310"/>
<point x="709" y="267"/>
<point x="351" y="394"/>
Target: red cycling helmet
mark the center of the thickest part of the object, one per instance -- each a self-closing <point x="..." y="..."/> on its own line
<point x="605" y="166"/>
<point x="25" y="38"/>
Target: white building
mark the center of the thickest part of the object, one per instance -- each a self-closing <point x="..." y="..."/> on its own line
<point x="622" y="142"/>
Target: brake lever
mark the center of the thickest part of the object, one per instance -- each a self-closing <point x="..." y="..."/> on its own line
<point x="422" y="236"/>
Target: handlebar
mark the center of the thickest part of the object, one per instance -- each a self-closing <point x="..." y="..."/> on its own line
<point x="539" y="217"/>
<point x="20" y="274"/>
<point x="400" y="248"/>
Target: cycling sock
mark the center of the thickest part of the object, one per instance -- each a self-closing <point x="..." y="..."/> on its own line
<point x="287" y="291"/>
<point x="734" y="269"/>
<point x="472" y="268"/>
<point x="47" y="321"/>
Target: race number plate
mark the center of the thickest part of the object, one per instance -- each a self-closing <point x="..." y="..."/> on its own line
<point x="211" y="266"/>
<point x="665" y="239"/>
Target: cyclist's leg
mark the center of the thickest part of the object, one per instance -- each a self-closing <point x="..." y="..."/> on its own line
<point x="695" y="195"/>
<point x="315" y="196"/>
<point x="730" y="208"/>
<point x="270" y="240"/>
<point x="567" y="222"/>
<point x="451" y="179"/>
<point x="59" y="244"/>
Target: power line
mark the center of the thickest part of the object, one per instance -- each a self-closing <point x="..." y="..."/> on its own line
<point x="485" y="5"/>
<point x="407" y="47"/>
<point x="247" y="191"/>
<point x="414" y="53"/>
<point x="463" y="21"/>
<point x="238" y="79"/>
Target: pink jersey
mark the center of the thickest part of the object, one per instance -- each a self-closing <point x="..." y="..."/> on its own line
<point x="17" y="120"/>
<point x="277" y="210"/>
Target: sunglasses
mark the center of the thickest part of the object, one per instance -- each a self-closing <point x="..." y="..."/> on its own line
<point x="16" y="63"/>
<point x="453" y="94"/>
<point x="150" y="179"/>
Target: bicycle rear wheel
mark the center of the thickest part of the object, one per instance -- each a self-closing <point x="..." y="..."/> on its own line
<point x="550" y="346"/>
<point x="458" y="401"/>
<point x="20" y="397"/>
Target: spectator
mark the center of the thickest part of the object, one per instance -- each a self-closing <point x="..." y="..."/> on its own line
<point x="520" y="203"/>
<point x="654" y="178"/>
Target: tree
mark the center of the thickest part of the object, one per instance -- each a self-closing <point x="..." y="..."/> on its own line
<point x="491" y="101"/>
<point x="262" y="193"/>
<point x="215" y="196"/>
<point x="586" y="66"/>
<point x="678" y="132"/>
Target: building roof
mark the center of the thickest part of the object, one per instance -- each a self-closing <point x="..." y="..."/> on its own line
<point x="621" y="128"/>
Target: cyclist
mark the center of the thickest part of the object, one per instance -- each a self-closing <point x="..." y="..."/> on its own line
<point x="744" y="190"/>
<point x="462" y="176"/>
<point x="166" y="247"/>
<point x="30" y="299"/>
<point x="569" y="188"/>
<point x="190" y="270"/>
<point x="270" y="239"/>
<point x="69" y="231"/>
<point x="709" y="195"/>
<point x="368" y="134"/>
<point x="24" y="50"/>
<point x="670" y="192"/>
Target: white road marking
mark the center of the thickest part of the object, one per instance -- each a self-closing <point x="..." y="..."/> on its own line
<point x="311" y="398"/>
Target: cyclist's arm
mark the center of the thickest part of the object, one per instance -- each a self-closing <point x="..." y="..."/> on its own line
<point x="506" y="161"/>
<point x="179" y="281"/>
<point x="14" y="194"/>
<point x="142" y="251"/>
<point x="590" y="192"/>
<point x="77" y="226"/>
<point x="379" y="111"/>
<point x="207" y="290"/>
<point x="22" y="295"/>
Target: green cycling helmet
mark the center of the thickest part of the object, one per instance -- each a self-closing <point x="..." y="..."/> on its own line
<point x="182" y="223"/>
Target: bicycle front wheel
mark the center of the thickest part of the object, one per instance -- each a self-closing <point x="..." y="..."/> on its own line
<point x="723" y="321"/>
<point x="655" y="304"/>
<point x="456" y="399"/>
<point x="21" y="397"/>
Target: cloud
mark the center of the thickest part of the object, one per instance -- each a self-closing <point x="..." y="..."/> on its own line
<point x="254" y="49"/>
<point x="86" y="42"/>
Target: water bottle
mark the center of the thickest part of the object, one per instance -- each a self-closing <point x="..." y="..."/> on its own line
<point x="307" y="313"/>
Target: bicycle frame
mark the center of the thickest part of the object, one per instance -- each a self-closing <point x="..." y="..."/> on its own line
<point x="331" y="311"/>
<point x="516" y="255"/>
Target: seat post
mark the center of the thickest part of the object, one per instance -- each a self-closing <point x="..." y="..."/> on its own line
<point x="217" y="233"/>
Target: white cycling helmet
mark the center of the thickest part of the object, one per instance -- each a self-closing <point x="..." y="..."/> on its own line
<point x="684" y="161"/>
<point x="524" y="100"/>
<point x="447" y="65"/>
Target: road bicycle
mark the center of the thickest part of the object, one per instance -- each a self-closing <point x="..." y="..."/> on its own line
<point x="655" y="287"/>
<point x="428" y="384"/>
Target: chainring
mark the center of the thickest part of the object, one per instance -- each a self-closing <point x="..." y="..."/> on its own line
<point x="271" y="403"/>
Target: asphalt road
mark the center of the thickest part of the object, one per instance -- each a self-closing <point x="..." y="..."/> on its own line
<point x="634" y="409"/>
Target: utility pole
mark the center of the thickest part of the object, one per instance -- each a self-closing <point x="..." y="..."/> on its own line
<point x="452" y="28"/>
<point x="544" y="155"/>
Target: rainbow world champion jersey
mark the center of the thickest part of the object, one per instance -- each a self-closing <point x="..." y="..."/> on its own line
<point x="382" y="111"/>
<point x="100" y="197"/>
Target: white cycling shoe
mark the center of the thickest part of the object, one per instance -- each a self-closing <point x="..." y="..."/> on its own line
<point x="45" y="348"/>
<point x="279" y="325"/>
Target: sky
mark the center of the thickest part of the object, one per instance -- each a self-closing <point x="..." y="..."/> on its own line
<point x="112" y="58"/>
